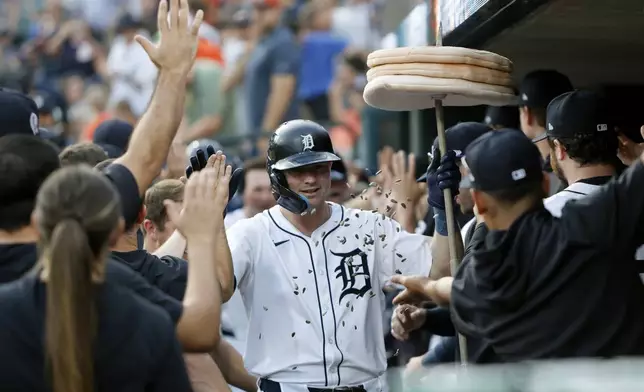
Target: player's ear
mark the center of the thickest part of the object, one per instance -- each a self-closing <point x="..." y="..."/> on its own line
<point x="480" y="201"/>
<point x="559" y="150"/>
<point x="148" y="227"/>
<point x="527" y="114"/>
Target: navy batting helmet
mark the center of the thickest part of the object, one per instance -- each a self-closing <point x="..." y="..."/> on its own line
<point x="295" y="144"/>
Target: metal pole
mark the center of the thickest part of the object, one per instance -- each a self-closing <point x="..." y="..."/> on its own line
<point x="454" y="235"/>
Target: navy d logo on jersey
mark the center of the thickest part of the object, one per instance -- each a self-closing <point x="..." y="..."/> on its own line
<point x="307" y="142"/>
<point x="354" y="272"/>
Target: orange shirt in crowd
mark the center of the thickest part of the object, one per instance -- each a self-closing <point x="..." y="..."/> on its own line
<point x="88" y="132"/>
<point x="206" y="50"/>
<point x="345" y="135"/>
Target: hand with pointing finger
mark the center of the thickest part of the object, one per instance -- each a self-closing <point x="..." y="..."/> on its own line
<point x="177" y="46"/>
<point x="421" y="287"/>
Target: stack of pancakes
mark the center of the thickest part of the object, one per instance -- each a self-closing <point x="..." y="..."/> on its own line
<point x="411" y="78"/>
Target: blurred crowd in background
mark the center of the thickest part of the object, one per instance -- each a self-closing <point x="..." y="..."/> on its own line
<point x="79" y="61"/>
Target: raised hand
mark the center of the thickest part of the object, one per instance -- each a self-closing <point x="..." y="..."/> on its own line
<point x="200" y="160"/>
<point x="217" y="162"/>
<point x="200" y="201"/>
<point x="404" y="173"/>
<point x="177" y="46"/>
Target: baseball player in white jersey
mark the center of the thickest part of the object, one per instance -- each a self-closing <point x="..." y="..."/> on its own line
<point x="311" y="274"/>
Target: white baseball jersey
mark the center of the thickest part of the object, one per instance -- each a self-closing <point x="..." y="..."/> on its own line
<point x="233" y="217"/>
<point x="233" y="314"/>
<point x="315" y="303"/>
<point x="555" y="204"/>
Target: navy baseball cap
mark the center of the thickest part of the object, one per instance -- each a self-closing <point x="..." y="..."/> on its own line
<point x="48" y="104"/>
<point x="540" y="87"/>
<point x="577" y="114"/>
<point x="501" y="160"/>
<point x="114" y="136"/>
<point x="458" y="138"/>
<point x="502" y="116"/>
<point x="128" y="22"/>
<point x="18" y="114"/>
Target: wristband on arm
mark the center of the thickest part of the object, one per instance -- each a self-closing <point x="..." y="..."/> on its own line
<point x="440" y="219"/>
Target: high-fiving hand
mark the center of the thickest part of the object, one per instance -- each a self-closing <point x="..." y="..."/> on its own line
<point x="404" y="186"/>
<point x="178" y="39"/>
<point x="205" y="195"/>
<point x="201" y="160"/>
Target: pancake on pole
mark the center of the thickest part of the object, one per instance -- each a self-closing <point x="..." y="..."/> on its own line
<point x="410" y="78"/>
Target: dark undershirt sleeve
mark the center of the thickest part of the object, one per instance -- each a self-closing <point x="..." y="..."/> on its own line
<point x="173" y="276"/>
<point x="125" y="277"/>
<point x="439" y="322"/>
<point x="612" y="217"/>
<point x="128" y="189"/>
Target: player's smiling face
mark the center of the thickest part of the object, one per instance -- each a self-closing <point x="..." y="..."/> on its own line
<point x="311" y="181"/>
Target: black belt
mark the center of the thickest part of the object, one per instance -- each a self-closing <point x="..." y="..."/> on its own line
<point x="355" y="388"/>
<point x="267" y="385"/>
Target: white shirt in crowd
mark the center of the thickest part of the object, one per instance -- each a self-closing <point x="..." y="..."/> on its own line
<point x="233" y="217"/>
<point x="133" y="75"/>
<point x="353" y="22"/>
<point x="206" y="31"/>
<point x="209" y="33"/>
<point x="232" y="50"/>
<point x="315" y="303"/>
<point x="555" y="203"/>
<point x="102" y="14"/>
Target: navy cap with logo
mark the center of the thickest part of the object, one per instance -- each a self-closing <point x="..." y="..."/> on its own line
<point x="18" y="114"/>
<point x="501" y="160"/>
<point x="540" y="87"/>
<point x="457" y="138"/>
<point x="577" y="114"/>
